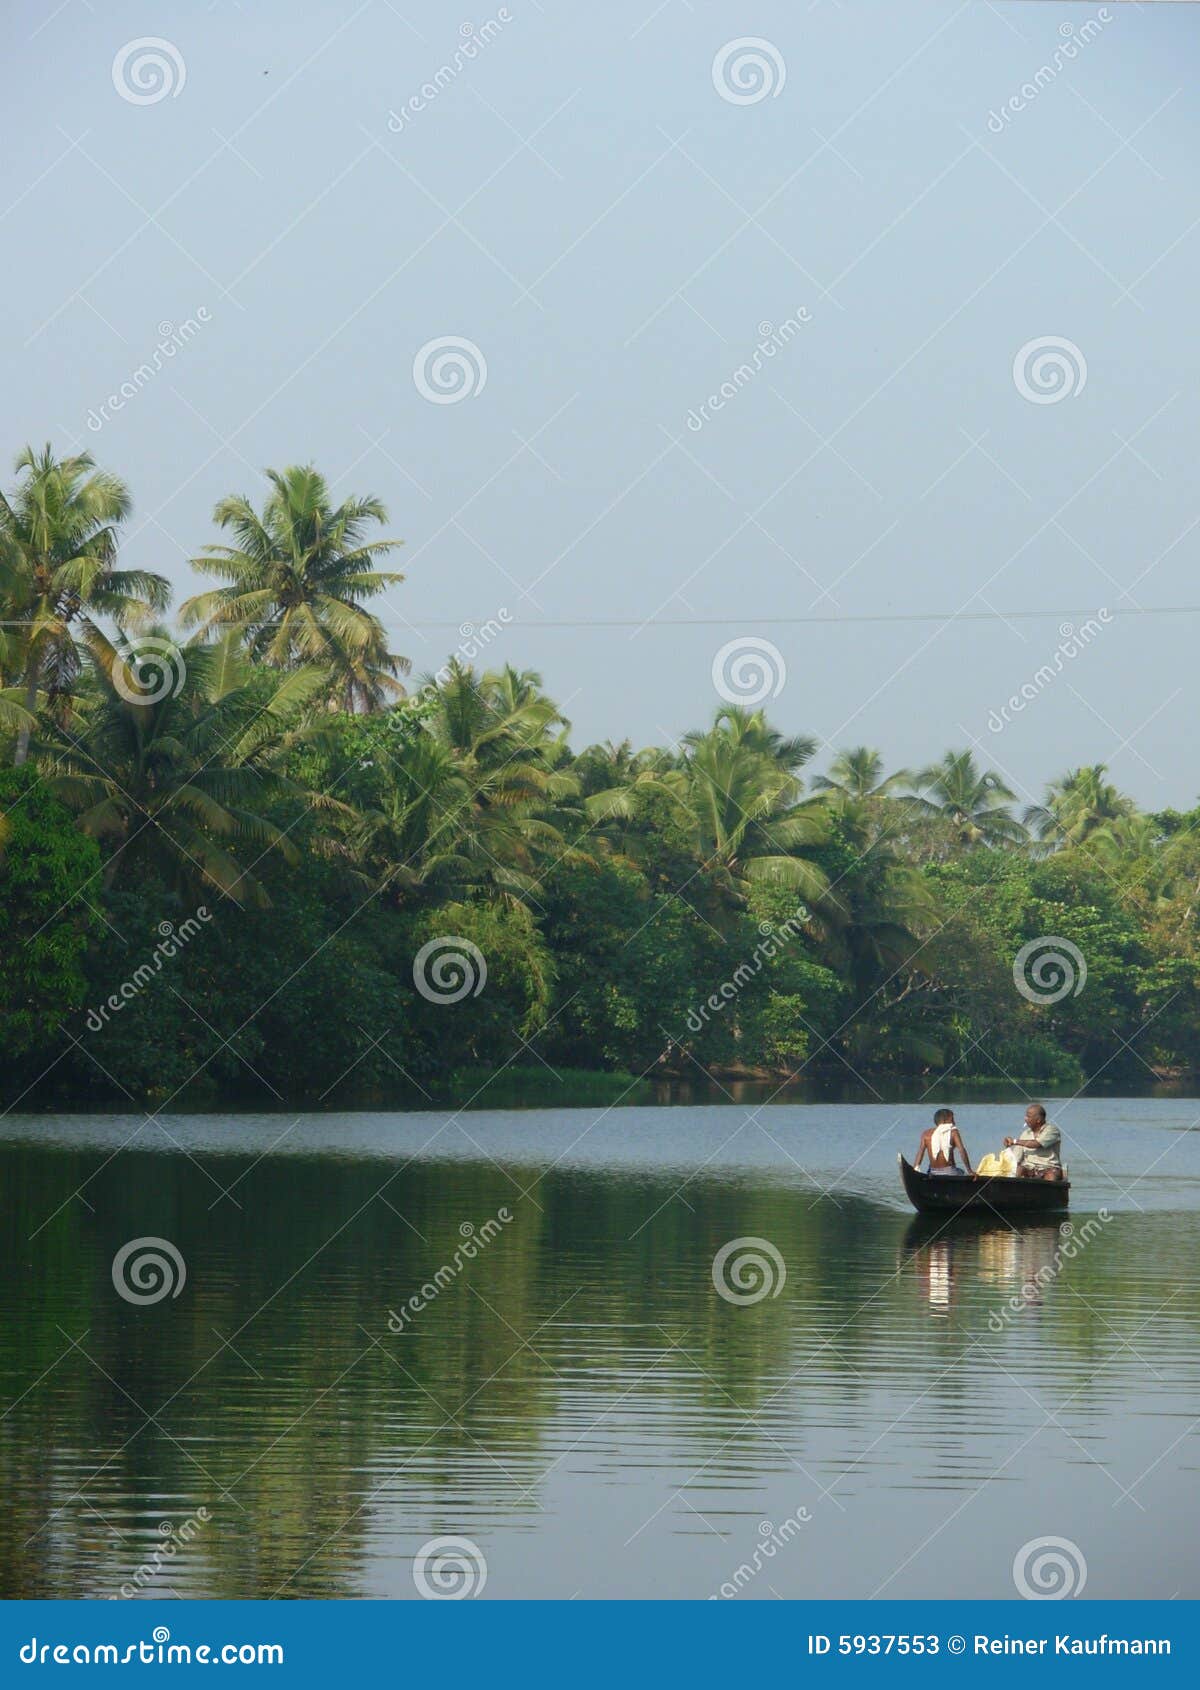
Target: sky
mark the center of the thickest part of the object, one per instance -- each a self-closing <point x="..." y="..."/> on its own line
<point x="964" y="467"/>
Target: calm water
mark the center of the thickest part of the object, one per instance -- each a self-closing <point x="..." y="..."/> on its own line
<point x="578" y="1400"/>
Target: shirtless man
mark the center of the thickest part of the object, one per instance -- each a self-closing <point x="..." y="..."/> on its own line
<point x="939" y="1142"/>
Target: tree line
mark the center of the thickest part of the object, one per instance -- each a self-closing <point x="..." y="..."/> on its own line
<point x="407" y="889"/>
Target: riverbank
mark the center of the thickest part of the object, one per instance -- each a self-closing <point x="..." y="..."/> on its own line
<point x="529" y="1087"/>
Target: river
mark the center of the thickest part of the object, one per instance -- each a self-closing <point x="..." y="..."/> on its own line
<point x="648" y="1352"/>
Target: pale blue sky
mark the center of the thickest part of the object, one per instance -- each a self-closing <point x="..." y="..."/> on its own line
<point x="583" y="206"/>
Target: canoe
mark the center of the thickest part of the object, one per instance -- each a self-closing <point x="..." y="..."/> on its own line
<point x="956" y="1194"/>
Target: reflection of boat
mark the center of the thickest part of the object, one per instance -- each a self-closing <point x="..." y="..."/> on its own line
<point x="994" y="1241"/>
<point x="981" y="1249"/>
<point x="939" y="1276"/>
<point x="956" y="1194"/>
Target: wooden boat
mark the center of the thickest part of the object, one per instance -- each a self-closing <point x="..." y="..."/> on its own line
<point x="956" y="1194"/>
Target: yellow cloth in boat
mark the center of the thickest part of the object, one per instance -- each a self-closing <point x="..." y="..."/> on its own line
<point x="1003" y="1166"/>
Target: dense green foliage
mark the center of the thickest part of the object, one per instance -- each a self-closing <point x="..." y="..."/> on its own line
<point x="48" y="873"/>
<point x="239" y="865"/>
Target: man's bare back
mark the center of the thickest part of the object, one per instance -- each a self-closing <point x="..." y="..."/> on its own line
<point x="940" y="1142"/>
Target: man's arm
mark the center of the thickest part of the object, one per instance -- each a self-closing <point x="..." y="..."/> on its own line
<point x="966" y="1158"/>
<point x="921" y="1149"/>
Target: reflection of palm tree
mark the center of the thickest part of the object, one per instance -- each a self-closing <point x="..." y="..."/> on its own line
<point x="1078" y="806"/>
<point x="973" y="803"/>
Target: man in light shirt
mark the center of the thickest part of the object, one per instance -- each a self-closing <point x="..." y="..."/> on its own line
<point x="1038" y="1146"/>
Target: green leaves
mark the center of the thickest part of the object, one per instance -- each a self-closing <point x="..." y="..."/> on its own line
<point x="972" y="802"/>
<point x="616" y="894"/>
<point x="58" y="540"/>
<point x="48" y="891"/>
<point x="297" y="574"/>
<point x="737" y="799"/>
<point x="175" y="769"/>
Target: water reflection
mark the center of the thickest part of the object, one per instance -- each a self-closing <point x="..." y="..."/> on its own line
<point x="573" y="1394"/>
<point x="968" y="1252"/>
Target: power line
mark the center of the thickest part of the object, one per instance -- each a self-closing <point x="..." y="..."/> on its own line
<point x="467" y="624"/>
<point x="744" y="619"/>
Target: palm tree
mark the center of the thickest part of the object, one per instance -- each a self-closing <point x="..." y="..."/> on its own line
<point x="509" y="690"/>
<point x="174" y="764"/>
<point x="473" y="798"/>
<point x="13" y="714"/>
<point x="750" y="730"/>
<point x="973" y="804"/>
<point x="297" y="575"/>
<point x="1078" y="806"/>
<point x="737" y="793"/>
<point x="1134" y="842"/>
<point x="857" y="775"/>
<point x="445" y="825"/>
<point x="502" y="719"/>
<point x="600" y="768"/>
<point x="58" y="540"/>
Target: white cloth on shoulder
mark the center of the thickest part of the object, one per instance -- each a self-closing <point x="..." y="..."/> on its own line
<point x="941" y="1141"/>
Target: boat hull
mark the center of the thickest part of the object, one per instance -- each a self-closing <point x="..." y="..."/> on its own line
<point x="960" y="1194"/>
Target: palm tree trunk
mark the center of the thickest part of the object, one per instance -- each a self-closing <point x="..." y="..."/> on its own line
<point x="31" y="690"/>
